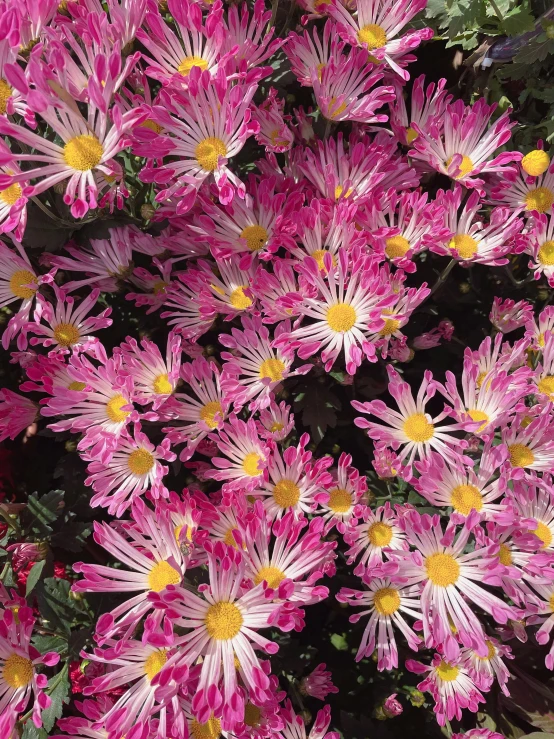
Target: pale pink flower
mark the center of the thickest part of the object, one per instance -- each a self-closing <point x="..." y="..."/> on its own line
<point x="17" y="413"/>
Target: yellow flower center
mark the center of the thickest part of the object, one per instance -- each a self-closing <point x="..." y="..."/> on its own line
<point x="256" y="237"/>
<point x="544" y="534"/>
<point x="66" y="334"/>
<point x="154" y="663"/>
<point x="477" y="415"/>
<point x="466" y="498"/>
<point x="76" y="385"/>
<point x="340" y="500"/>
<point x="189" y="62"/>
<point x="539" y="199"/>
<point x="418" y="428"/>
<point x="334" y="109"/>
<point x="113" y="409"/>
<point x="159" y="287"/>
<point x="386" y="601"/>
<point x="546" y="254"/>
<point x="491" y="651"/>
<point x="223" y="621"/>
<point x="286" y="493"/>
<point x="546" y="385"/>
<point x="273" y="576"/>
<point x="464" y="244"/>
<point x="5" y="94"/>
<point x="505" y="555"/>
<point x="252" y="715"/>
<point x="11" y="194"/>
<point x="339" y="190"/>
<point x="19" y="282"/>
<point x="442" y="569"/>
<point x="447" y="672"/>
<point x="18" y="671"/>
<point x="411" y="135"/>
<point x="162" y="386"/>
<point x="465" y="166"/>
<point x="535" y="163"/>
<point x="341" y="317"/>
<point x="209" y="412"/>
<point x="272" y="368"/>
<point x="238" y="299"/>
<point x="380" y="534"/>
<point x="83" y="152"/>
<point x="276" y="426"/>
<point x="229" y="539"/>
<point x="210" y="730"/>
<point x="162" y="575"/>
<point x="391" y="325"/>
<point x="521" y="455"/>
<point x="396" y="247"/>
<point x="373" y="36"/>
<point x="250" y="464"/>
<point x="551" y="602"/>
<point x="208" y="152"/>
<point x="152" y="125"/>
<point x="140" y="461"/>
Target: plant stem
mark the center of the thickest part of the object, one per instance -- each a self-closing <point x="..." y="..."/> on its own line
<point x="12" y="523"/>
<point x="497" y="11"/>
<point x="442" y="277"/>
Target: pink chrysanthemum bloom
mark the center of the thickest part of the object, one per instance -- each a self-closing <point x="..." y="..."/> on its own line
<point x="309" y="52"/>
<point x="135" y="466"/>
<point x="459" y="145"/>
<point x="534" y="509"/>
<point x="222" y="623"/>
<point x="84" y="728"/>
<point x="19" y="680"/>
<point x="276" y="421"/>
<point x="508" y="315"/>
<point x="343" y="90"/>
<point x="246" y="457"/>
<point x="478" y="734"/>
<point x="183" y="299"/>
<point x="426" y="103"/>
<point x="252" y="34"/>
<point x="202" y="411"/>
<point x="318" y="684"/>
<point x="375" y="25"/>
<point x="274" y="132"/>
<point x="373" y="539"/>
<point x="17" y="412"/>
<point x="277" y="293"/>
<point x="542" y="380"/>
<point x="348" y="307"/>
<point x="387" y="465"/>
<point x="539" y="244"/>
<point x="484" y="671"/>
<point x="521" y="192"/>
<point x="11" y="100"/>
<point x="461" y="488"/>
<point x="68" y="327"/>
<point x="535" y="330"/>
<point x="472" y="240"/>
<point x="153" y="285"/>
<point x="385" y="604"/>
<point x="452" y="581"/>
<point x="344" y="493"/>
<point x="151" y="559"/>
<point x="410" y="427"/>
<point x="295" y="728"/>
<point x="395" y="318"/>
<point x="13" y="204"/>
<point x="292" y="480"/>
<point x="450" y="685"/>
<point x="500" y="357"/>
<point x="530" y="445"/>
<point x="545" y="617"/>
<point x="229" y="293"/>
<point x="33" y="20"/>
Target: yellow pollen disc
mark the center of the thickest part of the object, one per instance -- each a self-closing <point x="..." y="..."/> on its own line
<point x="19" y="282"/>
<point x="541" y="340"/>
<point x="551" y="602"/>
<point x="480" y="377"/>
<point x="391" y="325"/>
<point x="209" y="412"/>
<point x="490" y="653"/>
<point x="83" y="152"/>
<point x="334" y="109"/>
<point x="223" y="621"/>
<point x="535" y="163"/>
<point x="252" y="715"/>
<point x="341" y="317"/>
<point x="189" y="62"/>
<point x="250" y="464"/>
<point x="465" y="167"/>
<point x="418" y="428"/>
<point x="338" y="192"/>
<point x="76" y="385"/>
<point x="272" y="368"/>
<point x="154" y="663"/>
<point x="505" y="555"/>
<point x="273" y="576"/>
<point x="539" y="199"/>
<point x="5" y="94"/>
<point x="162" y="386"/>
<point x="210" y="730"/>
<point x="18" y="671"/>
<point x="521" y="455"/>
<point x="477" y="415"/>
<point x="162" y="575"/>
<point x="320" y="68"/>
<point x="276" y="426"/>
<point x="380" y="534"/>
<point x="466" y="498"/>
<point x="208" y="152"/>
<point x="140" y="461"/>
<point x="256" y="237"/>
<point x="152" y="125"/>
<point x="286" y="493"/>
<point x="319" y="255"/>
<point x="238" y="299"/>
<point x="546" y="385"/>
<point x="442" y="569"/>
<point x="159" y="287"/>
<point x="546" y="254"/>
<point x="66" y="334"/>
<point x="113" y="409"/>
<point x="396" y="247"/>
<point x="465" y="245"/>
<point x="373" y="36"/>
<point x="229" y="539"/>
<point x="411" y="135"/>
<point x="177" y="532"/>
<point x="544" y="534"/>
<point x="447" y="672"/>
<point x="386" y="601"/>
<point x="340" y="500"/>
<point x="11" y="194"/>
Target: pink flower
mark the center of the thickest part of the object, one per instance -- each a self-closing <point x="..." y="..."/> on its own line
<point x="16" y="414"/>
<point x="392" y="707"/>
<point x="318" y="684"/>
<point x="426" y="104"/>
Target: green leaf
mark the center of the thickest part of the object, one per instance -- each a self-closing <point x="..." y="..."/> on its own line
<point x="49" y="643"/>
<point x="58" y="690"/>
<point x="45" y="510"/>
<point x="532" y="700"/>
<point x="339" y="642"/>
<point x="34" y="576"/>
<point x="536" y="51"/>
<point x="318" y="406"/>
<point x="55" y="606"/>
<point x="518" y="20"/>
<point x="31" y="732"/>
<point x="72" y="536"/>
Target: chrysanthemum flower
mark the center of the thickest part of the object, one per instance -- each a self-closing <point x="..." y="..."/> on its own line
<point x="278" y="293"/>
<point x="318" y="684"/>
<point x="295" y="728"/>
<point x="229" y="293"/>
<point x="183" y="299"/>
<point x="521" y="192"/>
<point x="252" y="34"/>
<point x="13" y="204"/>
<point x="534" y="509"/>
<point x="375" y="26"/>
<point x="246" y="457"/>
<point x="17" y="412"/>
<point x="536" y="329"/>
<point x="539" y="244"/>
<point x="508" y="315"/>
<point x="343" y="494"/>
<point x="426" y="103"/>
<point x="274" y="132"/>
<point x="410" y="427"/>
<point x="276" y="421"/>
<point x="530" y="445"/>
<point x="372" y="540"/>
<point x="484" y="671"/>
<point x="11" y="100"/>
<point x="385" y="604"/>
<point x="152" y="285"/>
<point x="545" y="617"/>
<point x="310" y="52"/>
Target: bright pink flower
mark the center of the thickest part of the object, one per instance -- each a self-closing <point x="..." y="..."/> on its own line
<point x="343" y="494"/>
<point x="392" y="707"/>
<point x="372" y="540"/>
<point x="246" y="457"/>
<point x="17" y="413"/>
<point x="295" y="728"/>
<point x="426" y="103"/>
<point x="507" y="315"/>
<point x="318" y="684"/>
